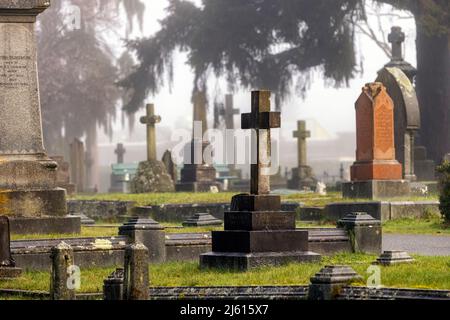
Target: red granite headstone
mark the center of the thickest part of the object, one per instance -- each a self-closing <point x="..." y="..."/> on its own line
<point x="375" y="154"/>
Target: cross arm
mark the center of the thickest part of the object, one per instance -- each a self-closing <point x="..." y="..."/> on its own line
<point x="265" y="120"/>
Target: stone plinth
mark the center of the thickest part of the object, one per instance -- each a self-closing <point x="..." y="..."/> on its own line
<point x="28" y="177"/>
<point x="196" y="176"/>
<point x="8" y="269"/>
<point x="375" y="172"/>
<point x="152" y="176"/>
<point x="202" y="219"/>
<point x="389" y="258"/>
<point x="302" y="177"/>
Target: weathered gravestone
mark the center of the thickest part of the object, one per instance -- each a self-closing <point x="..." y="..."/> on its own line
<point x="257" y="232"/>
<point x="376" y="173"/>
<point x="406" y="116"/>
<point x="28" y="186"/>
<point x="7" y="264"/>
<point x="171" y="167"/>
<point x="77" y="165"/>
<point x="302" y="176"/>
<point x="122" y="173"/>
<point x="151" y="175"/>
<point x="197" y="175"/>
<point x="63" y="175"/>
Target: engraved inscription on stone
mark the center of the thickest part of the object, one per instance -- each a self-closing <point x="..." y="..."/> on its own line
<point x="384" y="128"/>
<point x="20" y="119"/>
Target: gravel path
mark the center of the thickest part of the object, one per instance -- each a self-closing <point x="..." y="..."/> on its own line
<point x="426" y="245"/>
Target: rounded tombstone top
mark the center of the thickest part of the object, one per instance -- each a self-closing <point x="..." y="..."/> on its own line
<point x="402" y="91"/>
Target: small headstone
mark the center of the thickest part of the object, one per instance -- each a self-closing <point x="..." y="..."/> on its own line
<point x="170" y="165"/>
<point x="202" y="219"/>
<point x="85" y="220"/>
<point x="8" y="268"/>
<point x="388" y="258"/>
<point x="326" y="284"/>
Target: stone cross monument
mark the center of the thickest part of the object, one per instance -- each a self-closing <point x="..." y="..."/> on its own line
<point x="396" y="38"/>
<point x="151" y="175"/>
<point x="151" y="120"/>
<point x="120" y="152"/>
<point x="301" y="134"/>
<point x="197" y="175"/>
<point x="229" y="111"/>
<point x="376" y="173"/>
<point x="257" y="232"/>
<point x="27" y="175"/>
<point x="302" y="176"/>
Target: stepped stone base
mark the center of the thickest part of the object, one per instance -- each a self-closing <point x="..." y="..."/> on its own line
<point x="245" y="261"/>
<point x="376" y="189"/>
<point x="33" y="203"/>
<point x="202" y="219"/>
<point x="394" y="257"/>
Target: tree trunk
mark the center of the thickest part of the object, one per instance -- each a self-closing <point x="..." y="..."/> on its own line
<point x="433" y="88"/>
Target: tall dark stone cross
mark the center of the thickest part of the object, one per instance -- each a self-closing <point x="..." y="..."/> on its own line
<point x="396" y="38"/>
<point x="261" y="120"/>
<point x="151" y="120"/>
<point x="257" y="232"/>
<point x="120" y="151"/>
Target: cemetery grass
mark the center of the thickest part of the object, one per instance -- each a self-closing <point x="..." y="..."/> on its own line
<point x="430" y="226"/>
<point x="308" y="199"/>
<point x="424" y="273"/>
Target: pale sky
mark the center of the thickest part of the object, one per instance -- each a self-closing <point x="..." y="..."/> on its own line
<point x="330" y="108"/>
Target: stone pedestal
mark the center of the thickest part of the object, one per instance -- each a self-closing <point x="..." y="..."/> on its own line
<point x="152" y="176"/>
<point x="376" y="173"/>
<point x="376" y="189"/>
<point x="148" y="232"/>
<point x="257" y="233"/>
<point x="365" y="232"/>
<point x="393" y="257"/>
<point x="302" y="177"/>
<point x="196" y="176"/>
<point x="327" y="283"/>
<point x="28" y="177"/>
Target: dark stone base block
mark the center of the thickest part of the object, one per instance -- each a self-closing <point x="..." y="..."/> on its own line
<point x="33" y="203"/>
<point x="45" y="225"/>
<point x="376" y="189"/>
<point x="202" y="219"/>
<point x="246" y="261"/>
<point x="10" y="273"/>
<point x="196" y="186"/>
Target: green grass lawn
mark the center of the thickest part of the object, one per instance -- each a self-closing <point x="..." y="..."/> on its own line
<point x="431" y="226"/>
<point x="309" y="199"/>
<point x="425" y="273"/>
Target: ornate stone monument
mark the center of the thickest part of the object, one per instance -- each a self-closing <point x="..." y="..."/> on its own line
<point x="196" y="174"/>
<point x="399" y="77"/>
<point x="120" y="176"/>
<point x="376" y="173"/>
<point x="28" y="186"/>
<point x="257" y="232"/>
<point x="302" y="176"/>
<point x="151" y="175"/>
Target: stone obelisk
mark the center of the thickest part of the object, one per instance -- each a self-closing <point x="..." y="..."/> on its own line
<point x="27" y="174"/>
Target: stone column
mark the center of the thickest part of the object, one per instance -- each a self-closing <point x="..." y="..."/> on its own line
<point x="148" y="232"/>
<point x="136" y="282"/>
<point x="62" y="260"/>
<point x="8" y="268"/>
<point x="27" y="175"/>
